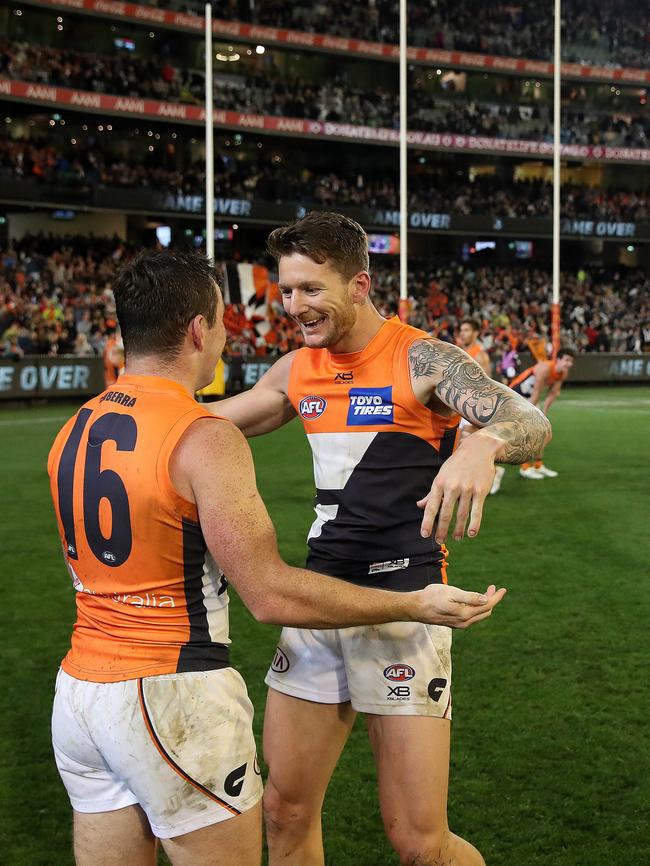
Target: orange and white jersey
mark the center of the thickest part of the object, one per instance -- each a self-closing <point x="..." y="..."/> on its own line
<point x="376" y="450"/>
<point x="150" y="599"/>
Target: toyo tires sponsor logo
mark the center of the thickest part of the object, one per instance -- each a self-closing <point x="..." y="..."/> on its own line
<point x="312" y="407"/>
<point x="370" y="406"/>
<point x="399" y="672"/>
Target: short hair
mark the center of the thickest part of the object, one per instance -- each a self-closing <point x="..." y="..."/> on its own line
<point x="157" y="294"/>
<point x="473" y="323"/>
<point x="562" y="352"/>
<point x="324" y="236"/>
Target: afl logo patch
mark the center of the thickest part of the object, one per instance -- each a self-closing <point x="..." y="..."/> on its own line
<point x="280" y="662"/>
<point x="312" y="407"/>
<point x="399" y="673"/>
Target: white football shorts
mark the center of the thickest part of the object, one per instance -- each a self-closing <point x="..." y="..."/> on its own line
<point x="180" y="745"/>
<point x="399" y="668"/>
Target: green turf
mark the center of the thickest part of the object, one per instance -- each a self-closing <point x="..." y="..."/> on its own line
<point x="549" y="761"/>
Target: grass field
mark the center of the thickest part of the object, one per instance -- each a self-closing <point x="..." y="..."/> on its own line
<point x="550" y="763"/>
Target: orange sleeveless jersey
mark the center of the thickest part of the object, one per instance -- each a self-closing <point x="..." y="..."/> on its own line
<point x="522" y="384"/>
<point x="376" y="450"/>
<point x="554" y="376"/>
<point x="474" y="350"/>
<point x="150" y="599"/>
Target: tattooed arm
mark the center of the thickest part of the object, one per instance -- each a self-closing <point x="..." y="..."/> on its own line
<point x="442" y="372"/>
<point x="444" y="378"/>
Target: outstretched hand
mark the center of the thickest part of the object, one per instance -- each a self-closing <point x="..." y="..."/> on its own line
<point x="457" y="608"/>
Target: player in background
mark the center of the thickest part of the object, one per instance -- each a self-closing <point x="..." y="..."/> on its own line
<point x="155" y="499"/>
<point x="544" y="376"/>
<point x="380" y="403"/>
<point x="468" y="340"/>
<point x="113" y="357"/>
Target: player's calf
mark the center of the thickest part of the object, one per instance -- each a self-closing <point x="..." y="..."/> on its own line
<point x="434" y="848"/>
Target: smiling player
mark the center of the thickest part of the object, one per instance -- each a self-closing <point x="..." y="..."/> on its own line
<point x="380" y="403"/>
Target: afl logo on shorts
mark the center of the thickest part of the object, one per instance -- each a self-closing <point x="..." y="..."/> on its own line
<point x="399" y="673"/>
<point x="312" y="407"/>
<point x="280" y="662"/>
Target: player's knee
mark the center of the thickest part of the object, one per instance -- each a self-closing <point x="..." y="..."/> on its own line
<point x="282" y="815"/>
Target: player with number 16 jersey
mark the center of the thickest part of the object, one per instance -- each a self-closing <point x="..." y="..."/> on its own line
<point x="150" y="598"/>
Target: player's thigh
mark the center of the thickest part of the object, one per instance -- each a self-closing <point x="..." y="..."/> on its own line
<point x="234" y="841"/>
<point x="412" y="758"/>
<point x="113" y="838"/>
<point x="303" y="741"/>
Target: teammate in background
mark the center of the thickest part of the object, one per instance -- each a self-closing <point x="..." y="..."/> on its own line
<point x="468" y="339"/>
<point x="546" y="376"/>
<point x="380" y="404"/>
<point x="151" y="726"/>
<point x="113" y="357"/>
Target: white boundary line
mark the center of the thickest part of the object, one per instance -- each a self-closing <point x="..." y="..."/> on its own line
<point x="14" y="422"/>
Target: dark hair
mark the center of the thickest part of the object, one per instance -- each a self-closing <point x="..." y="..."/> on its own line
<point x="157" y="295"/>
<point x="324" y="236"/>
<point x="562" y="352"/>
<point x="473" y="323"/>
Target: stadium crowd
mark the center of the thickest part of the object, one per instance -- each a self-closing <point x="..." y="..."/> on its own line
<point x="602" y="310"/>
<point x="270" y="91"/>
<point x="56" y="298"/>
<point x="591" y="31"/>
<point x="275" y="178"/>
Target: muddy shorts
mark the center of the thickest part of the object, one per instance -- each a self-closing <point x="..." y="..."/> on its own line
<point x="179" y="745"/>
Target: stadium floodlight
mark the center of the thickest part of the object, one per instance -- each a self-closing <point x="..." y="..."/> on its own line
<point x="209" y="137"/>
<point x="403" y="167"/>
<point x="557" y="60"/>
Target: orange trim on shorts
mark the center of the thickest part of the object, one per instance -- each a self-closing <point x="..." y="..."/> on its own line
<point x="169" y="760"/>
<point x="445" y="563"/>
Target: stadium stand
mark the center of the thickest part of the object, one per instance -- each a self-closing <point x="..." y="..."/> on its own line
<point x="611" y="33"/>
<point x="261" y="87"/>
<point x="56" y="295"/>
<point x="269" y="177"/>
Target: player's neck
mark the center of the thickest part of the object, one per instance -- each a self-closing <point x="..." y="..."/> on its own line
<point x="369" y="321"/>
<point x="151" y="365"/>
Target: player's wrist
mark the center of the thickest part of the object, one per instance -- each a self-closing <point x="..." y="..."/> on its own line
<point x="490" y="443"/>
<point x="414" y="607"/>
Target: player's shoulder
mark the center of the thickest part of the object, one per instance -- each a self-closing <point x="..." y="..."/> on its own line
<point x="208" y="431"/>
<point x="211" y="454"/>
<point x="424" y="345"/>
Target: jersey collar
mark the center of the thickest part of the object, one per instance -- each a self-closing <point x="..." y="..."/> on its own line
<point x="347" y="360"/>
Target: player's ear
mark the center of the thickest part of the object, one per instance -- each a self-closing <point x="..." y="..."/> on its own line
<point x="360" y="287"/>
<point x="195" y="331"/>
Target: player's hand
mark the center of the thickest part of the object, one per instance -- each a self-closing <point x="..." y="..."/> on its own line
<point x="447" y="605"/>
<point x="463" y="482"/>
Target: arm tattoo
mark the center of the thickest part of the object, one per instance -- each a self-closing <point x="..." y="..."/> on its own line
<point x="461" y="384"/>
